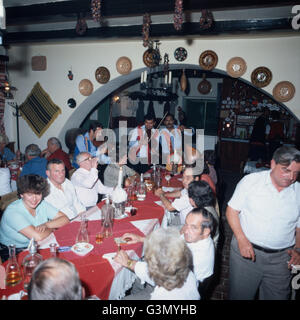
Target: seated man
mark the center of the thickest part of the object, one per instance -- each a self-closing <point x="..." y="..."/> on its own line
<point x="35" y="164"/>
<point x="55" y="279"/>
<point x="86" y="182"/>
<point x="5" y="153"/>
<point x="30" y="216"/>
<point x="181" y="203"/>
<point x="111" y="173"/>
<point x="62" y="192"/>
<point x="54" y="151"/>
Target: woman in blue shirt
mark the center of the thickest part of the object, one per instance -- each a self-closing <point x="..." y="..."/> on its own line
<point x="30" y="216"/>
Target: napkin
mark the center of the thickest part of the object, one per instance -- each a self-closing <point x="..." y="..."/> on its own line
<point x="116" y="266"/>
<point x="145" y="226"/>
<point x="17" y="296"/>
<point x="167" y="189"/>
<point x="44" y="244"/>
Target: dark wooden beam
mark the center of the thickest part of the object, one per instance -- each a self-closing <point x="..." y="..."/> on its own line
<point x="116" y="8"/>
<point x="157" y="31"/>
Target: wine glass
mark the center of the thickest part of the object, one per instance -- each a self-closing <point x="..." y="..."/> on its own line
<point x="168" y="178"/>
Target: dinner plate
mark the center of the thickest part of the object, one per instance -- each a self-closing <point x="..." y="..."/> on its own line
<point x="236" y="67"/>
<point x="85" y="87"/>
<point x="284" y="91"/>
<point x="102" y="75"/>
<point x="82" y="248"/>
<point x="261" y="77"/>
<point x="124" y="65"/>
<point x="208" y="60"/>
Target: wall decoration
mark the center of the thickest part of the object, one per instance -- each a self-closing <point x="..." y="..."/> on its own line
<point x="71" y="103"/>
<point x="206" y="19"/>
<point x="85" y="87"/>
<point x="150" y="58"/>
<point x="208" y="60"/>
<point x="96" y="10"/>
<point x="236" y="67"/>
<point x="102" y="75"/>
<point x="284" y="91"/>
<point x="70" y="75"/>
<point x="124" y="65"/>
<point x="261" y="77"/>
<point x="178" y="14"/>
<point x="180" y="54"/>
<point x="38" y="110"/>
<point x="146" y="29"/>
<point x="183" y="81"/>
<point x="81" y="25"/>
<point x="204" y="87"/>
<point x="39" y="63"/>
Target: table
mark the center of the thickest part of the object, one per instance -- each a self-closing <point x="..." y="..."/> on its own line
<point x="107" y="280"/>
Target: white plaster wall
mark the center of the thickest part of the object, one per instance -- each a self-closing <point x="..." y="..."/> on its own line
<point x="280" y="54"/>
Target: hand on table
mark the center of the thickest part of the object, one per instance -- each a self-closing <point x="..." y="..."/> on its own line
<point x="132" y="238"/>
<point x="121" y="257"/>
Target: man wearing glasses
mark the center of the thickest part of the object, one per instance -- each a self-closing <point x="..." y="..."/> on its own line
<point x="86" y="182"/>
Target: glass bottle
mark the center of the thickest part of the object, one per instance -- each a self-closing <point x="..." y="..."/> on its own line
<point x="83" y="235"/>
<point x="141" y="189"/>
<point x="107" y="220"/>
<point x="13" y="271"/>
<point x="30" y="262"/>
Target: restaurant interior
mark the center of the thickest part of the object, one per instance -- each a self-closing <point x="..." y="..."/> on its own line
<point x="221" y="62"/>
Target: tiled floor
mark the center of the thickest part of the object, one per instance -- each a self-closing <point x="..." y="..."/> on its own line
<point x="220" y="286"/>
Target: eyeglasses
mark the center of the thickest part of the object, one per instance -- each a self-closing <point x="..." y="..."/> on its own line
<point x="89" y="158"/>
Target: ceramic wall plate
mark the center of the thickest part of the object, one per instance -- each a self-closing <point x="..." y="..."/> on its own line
<point x="151" y="58"/>
<point x="124" y="65"/>
<point x="236" y="67"/>
<point x="85" y="87"/>
<point x="180" y="54"/>
<point x="102" y="75"/>
<point x="71" y="103"/>
<point x="284" y="91"/>
<point x="204" y="87"/>
<point x="261" y="77"/>
<point x="208" y="60"/>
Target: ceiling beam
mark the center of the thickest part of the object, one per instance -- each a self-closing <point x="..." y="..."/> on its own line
<point x="157" y="31"/>
<point x="116" y="8"/>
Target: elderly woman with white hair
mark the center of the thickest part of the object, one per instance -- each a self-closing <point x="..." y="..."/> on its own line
<point x="167" y="266"/>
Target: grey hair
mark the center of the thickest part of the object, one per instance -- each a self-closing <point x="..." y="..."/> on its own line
<point x="55" y="279"/>
<point x="168" y="257"/>
<point x="54" y="140"/>
<point x="80" y="157"/>
<point x="3" y="139"/>
<point x="33" y="150"/>
<point x="285" y="155"/>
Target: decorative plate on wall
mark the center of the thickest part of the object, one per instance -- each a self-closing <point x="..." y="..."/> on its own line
<point x="124" y="65"/>
<point x="102" y="75"/>
<point x="236" y="67"/>
<point x="284" y="91"/>
<point x="151" y="58"/>
<point x="204" y="86"/>
<point x="261" y="77"/>
<point x="208" y="60"/>
<point x="85" y="87"/>
<point x="180" y="54"/>
<point x="72" y="103"/>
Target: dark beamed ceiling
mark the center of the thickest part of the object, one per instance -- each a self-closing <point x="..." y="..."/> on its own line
<point x="30" y="21"/>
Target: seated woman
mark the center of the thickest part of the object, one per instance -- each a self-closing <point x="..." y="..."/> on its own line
<point x="167" y="266"/>
<point x="30" y="216"/>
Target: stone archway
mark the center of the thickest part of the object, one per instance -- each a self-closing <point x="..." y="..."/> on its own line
<point x="104" y="91"/>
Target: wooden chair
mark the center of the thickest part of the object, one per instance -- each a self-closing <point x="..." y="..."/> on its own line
<point x="6" y="199"/>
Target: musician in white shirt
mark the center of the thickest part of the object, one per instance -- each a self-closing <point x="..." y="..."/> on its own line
<point x="86" y="182"/>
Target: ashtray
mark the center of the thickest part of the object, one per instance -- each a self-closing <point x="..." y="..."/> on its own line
<point x="82" y="248"/>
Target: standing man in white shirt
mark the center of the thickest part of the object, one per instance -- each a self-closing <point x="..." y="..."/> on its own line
<point x="171" y="139"/>
<point x="264" y="215"/>
<point x="86" y="182"/>
<point x="143" y="146"/>
<point x="62" y="192"/>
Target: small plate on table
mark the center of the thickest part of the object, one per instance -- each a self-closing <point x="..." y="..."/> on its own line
<point x="82" y="248"/>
